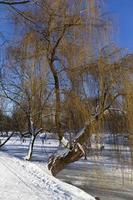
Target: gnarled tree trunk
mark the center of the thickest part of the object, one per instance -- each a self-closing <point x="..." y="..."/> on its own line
<point x="58" y="162"/>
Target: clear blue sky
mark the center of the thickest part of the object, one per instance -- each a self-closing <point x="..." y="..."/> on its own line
<point x="123" y="14"/>
<point x="121" y="10"/>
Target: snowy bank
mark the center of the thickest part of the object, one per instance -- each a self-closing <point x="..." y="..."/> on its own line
<point x="25" y="180"/>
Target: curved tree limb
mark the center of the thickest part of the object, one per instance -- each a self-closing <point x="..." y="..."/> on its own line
<point x="2" y="144"/>
<point x="15" y="2"/>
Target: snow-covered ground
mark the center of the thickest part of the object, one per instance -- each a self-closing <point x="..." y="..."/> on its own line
<point x="101" y="175"/>
<point x="23" y="180"/>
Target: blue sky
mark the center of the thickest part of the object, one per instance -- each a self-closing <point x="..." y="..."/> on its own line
<point x="122" y="12"/>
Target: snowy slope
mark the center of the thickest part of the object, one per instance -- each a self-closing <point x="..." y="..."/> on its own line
<point x="23" y="180"/>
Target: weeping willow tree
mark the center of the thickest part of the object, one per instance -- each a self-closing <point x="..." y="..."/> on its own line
<point x="92" y="83"/>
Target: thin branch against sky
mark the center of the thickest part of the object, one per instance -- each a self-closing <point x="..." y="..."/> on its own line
<point x="14" y="2"/>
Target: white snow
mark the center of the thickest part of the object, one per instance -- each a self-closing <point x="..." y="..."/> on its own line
<point x="65" y="142"/>
<point x="32" y="181"/>
<point x="23" y="180"/>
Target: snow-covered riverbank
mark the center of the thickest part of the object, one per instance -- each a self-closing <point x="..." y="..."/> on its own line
<point x="101" y="175"/>
<point x="22" y="180"/>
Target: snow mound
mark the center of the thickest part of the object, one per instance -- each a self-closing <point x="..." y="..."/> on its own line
<point x="25" y="180"/>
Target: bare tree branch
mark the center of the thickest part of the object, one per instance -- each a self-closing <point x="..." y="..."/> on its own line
<point x="15" y="2"/>
<point x="6" y="140"/>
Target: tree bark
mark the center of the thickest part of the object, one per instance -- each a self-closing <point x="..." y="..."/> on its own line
<point x="31" y="145"/>
<point x="58" y="100"/>
<point x="57" y="163"/>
